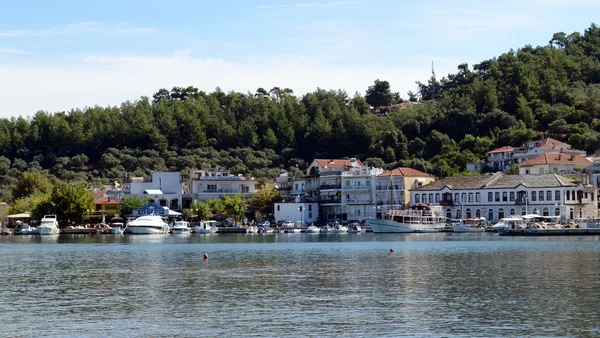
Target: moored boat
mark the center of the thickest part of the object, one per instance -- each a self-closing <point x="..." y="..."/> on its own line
<point x="313" y="229"/>
<point x="475" y="224"/>
<point x="419" y="218"/>
<point x="48" y="225"/>
<point x="148" y="225"/>
<point x="206" y="227"/>
<point x="181" y="228"/>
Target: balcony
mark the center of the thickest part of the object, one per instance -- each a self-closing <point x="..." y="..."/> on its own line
<point x="330" y="186"/>
<point x="331" y="201"/>
<point x="227" y="191"/>
<point x="358" y="201"/>
<point x="354" y="187"/>
<point x="389" y="187"/>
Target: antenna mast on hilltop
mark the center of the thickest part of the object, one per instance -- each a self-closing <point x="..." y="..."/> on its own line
<point x="431" y="83"/>
<point x="432" y="70"/>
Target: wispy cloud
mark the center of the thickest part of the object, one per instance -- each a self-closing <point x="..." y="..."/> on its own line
<point x="12" y="51"/>
<point x="82" y="28"/>
<point x="326" y="4"/>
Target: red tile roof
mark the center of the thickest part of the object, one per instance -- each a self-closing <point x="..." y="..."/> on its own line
<point x="558" y="158"/>
<point x="333" y="163"/>
<point x="404" y="172"/>
<point x="501" y="150"/>
<point x="107" y="200"/>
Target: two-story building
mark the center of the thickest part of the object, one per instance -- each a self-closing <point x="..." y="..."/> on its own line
<point x="107" y="206"/>
<point x="164" y="188"/>
<point x="499" y="195"/>
<point x="563" y="163"/>
<point x="393" y="186"/>
<point x="217" y="183"/>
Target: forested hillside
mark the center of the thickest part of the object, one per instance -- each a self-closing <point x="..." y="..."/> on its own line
<point x="506" y="100"/>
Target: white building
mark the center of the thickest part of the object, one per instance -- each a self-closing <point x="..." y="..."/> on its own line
<point x="298" y="212"/>
<point x="217" y="183"/>
<point x="554" y="163"/>
<point x="498" y="195"/>
<point x="164" y="188"/>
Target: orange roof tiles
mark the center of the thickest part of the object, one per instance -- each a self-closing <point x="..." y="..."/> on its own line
<point x="558" y="158"/>
<point x="333" y="163"/>
<point x="501" y="150"/>
<point x="404" y="172"/>
<point x="107" y="200"/>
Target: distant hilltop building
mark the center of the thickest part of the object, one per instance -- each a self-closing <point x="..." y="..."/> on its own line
<point x="503" y="158"/>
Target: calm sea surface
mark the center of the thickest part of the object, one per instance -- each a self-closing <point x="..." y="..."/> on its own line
<point x="299" y="285"/>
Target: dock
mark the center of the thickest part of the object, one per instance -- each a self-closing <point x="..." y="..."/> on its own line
<point x="552" y="232"/>
<point x="85" y="231"/>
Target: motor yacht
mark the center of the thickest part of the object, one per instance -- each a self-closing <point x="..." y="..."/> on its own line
<point x="181" y="228"/>
<point x="48" y="226"/>
<point x="206" y="227"/>
<point x="148" y="225"/>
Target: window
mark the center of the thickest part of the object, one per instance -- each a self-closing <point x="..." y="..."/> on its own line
<point x="490" y="215"/>
<point x="548" y="195"/>
<point x="310" y="207"/>
<point x="490" y="197"/>
<point x="568" y="194"/>
<point x="557" y="195"/>
<point x="541" y="195"/>
<point x="278" y="209"/>
<point x="211" y="188"/>
<point x="533" y="196"/>
<point x="448" y="213"/>
<point x="430" y="198"/>
<point x="545" y="212"/>
<point x="310" y="215"/>
<point x="478" y="197"/>
<point x="358" y="212"/>
<point x="523" y="211"/>
<point x="500" y="213"/>
<point x="497" y="195"/>
<point x="571" y="213"/>
<point x="557" y="212"/>
<point x="458" y="216"/>
<point x="512" y="212"/>
<point x="477" y="213"/>
<point x="417" y="198"/>
<point x="470" y="197"/>
<point x="468" y="213"/>
<point x="512" y="196"/>
<point x="463" y="197"/>
<point x="504" y="196"/>
<point x="437" y="198"/>
<point x="456" y="198"/>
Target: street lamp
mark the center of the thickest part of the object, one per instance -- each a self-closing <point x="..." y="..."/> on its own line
<point x="301" y="216"/>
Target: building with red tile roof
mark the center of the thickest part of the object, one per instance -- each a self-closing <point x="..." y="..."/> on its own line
<point x="554" y="163"/>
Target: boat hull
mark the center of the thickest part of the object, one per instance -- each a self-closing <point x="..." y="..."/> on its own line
<point x="42" y="230"/>
<point x="389" y="226"/>
<point x="461" y="229"/>
<point x="181" y="231"/>
<point x="146" y="230"/>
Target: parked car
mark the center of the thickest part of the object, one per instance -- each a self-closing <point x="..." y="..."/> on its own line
<point x="263" y="224"/>
<point x="288" y="224"/>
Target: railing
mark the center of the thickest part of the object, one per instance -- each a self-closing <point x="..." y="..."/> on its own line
<point x="355" y="187"/>
<point x="332" y="201"/>
<point x="216" y="191"/>
<point x="447" y="203"/>
<point x="331" y="186"/>
<point x="358" y="200"/>
<point x="390" y="187"/>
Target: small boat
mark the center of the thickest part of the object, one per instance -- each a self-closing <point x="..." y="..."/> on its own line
<point x="340" y="229"/>
<point x="6" y="231"/>
<point x="148" y="225"/>
<point x="355" y="228"/>
<point x="116" y="228"/>
<point x="263" y="230"/>
<point x="475" y="224"/>
<point x="48" y="225"/>
<point x="326" y="229"/>
<point x="24" y="229"/>
<point x="180" y="228"/>
<point x="252" y="229"/>
<point x="313" y="229"/>
<point x="206" y="227"/>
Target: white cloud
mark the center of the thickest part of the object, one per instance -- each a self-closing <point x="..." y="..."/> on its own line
<point x="110" y="80"/>
<point x="12" y="51"/>
<point x="80" y="28"/>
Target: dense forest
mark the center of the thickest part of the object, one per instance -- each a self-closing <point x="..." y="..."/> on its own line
<point x="551" y="90"/>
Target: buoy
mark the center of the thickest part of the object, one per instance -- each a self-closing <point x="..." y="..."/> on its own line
<point x="205" y="255"/>
<point x="392" y="250"/>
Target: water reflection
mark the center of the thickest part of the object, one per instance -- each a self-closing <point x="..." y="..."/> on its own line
<point x="300" y="284"/>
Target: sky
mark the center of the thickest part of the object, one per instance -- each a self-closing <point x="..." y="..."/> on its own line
<point x="66" y="54"/>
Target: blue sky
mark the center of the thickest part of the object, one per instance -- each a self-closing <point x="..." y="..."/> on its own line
<point x="57" y="55"/>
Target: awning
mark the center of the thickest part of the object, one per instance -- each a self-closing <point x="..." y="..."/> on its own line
<point x="170" y="212"/>
<point x="22" y="215"/>
<point x="153" y="192"/>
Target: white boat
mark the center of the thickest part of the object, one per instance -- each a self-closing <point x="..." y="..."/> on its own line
<point x="326" y="229"/>
<point x="148" y="225"/>
<point x="252" y="229"/>
<point x="313" y="229"/>
<point x="264" y="230"/>
<point x="116" y="228"/>
<point x="340" y="229"/>
<point x="24" y="229"/>
<point x="513" y="223"/>
<point x="181" y="228"/>
<point x="293" y="230"/>
<point x="48" y="226"/>
<point x="419" y="218"/>
<point x="476" y="224"/>
<point x="6" y="231"/>
<point x="206" y="227"/>
<point x="355" y="228"/>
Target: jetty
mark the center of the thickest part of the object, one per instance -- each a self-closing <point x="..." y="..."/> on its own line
<point x="551" y="232"/>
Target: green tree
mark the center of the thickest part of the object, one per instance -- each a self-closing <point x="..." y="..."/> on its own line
<point x="235" y="205"/>
<point x="201" y="210"/>
<point x="72" y="202"/>
<point x="379" y="94"/>
<point x="131" y="203"/>
<point x="31" y="182"/>
<point x="264" y="199"/>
